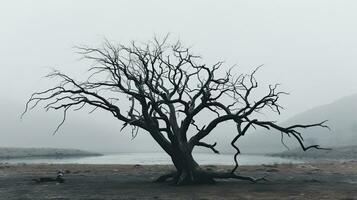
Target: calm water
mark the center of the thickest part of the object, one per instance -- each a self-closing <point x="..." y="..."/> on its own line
<point x="159" y="158"/>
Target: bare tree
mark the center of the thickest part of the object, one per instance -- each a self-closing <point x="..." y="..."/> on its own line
<point x="168" y="89"/>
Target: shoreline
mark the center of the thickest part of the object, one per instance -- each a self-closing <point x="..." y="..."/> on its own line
<point x="12" y="153"/>
<point x="156" y="158"/>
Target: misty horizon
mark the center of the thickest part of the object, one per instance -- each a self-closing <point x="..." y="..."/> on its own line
<point x="307" y="47"/>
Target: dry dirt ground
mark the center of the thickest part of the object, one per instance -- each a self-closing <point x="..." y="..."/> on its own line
<point x="298" y="181"/>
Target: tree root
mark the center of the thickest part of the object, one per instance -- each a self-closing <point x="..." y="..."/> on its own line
<point x="235" y="176"/>
<point x="184" y="178"/>
<point x="165" y="177"/>
<point x="203" y="177"/>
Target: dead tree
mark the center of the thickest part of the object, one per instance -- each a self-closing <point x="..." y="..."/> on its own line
<point x="168" y="88"/>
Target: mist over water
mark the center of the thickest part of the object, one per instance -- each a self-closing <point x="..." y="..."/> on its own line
<point x="159" y="159"/>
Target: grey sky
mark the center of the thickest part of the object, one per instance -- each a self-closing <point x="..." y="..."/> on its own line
<point x="309" y="47"/>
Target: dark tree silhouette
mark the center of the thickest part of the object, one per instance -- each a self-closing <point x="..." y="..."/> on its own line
<point x="168" y="89"/>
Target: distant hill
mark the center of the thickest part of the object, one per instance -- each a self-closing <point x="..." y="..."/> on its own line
<point x="12" y="152"/>
<point x="337" y="153"/>
<point x="342" y="119"/>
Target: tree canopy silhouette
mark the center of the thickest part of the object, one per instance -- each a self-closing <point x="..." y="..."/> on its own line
<point x="167" y="88"/>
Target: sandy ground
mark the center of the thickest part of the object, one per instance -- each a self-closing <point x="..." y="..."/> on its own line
<point x="298" y="181"/>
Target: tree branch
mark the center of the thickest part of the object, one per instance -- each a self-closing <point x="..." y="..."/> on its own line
<point x="210" y="146"/>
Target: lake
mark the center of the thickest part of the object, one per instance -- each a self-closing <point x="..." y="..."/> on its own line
<point x="157" y="158"/>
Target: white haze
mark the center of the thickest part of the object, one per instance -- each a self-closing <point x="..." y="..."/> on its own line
<point x="309" y="47"/>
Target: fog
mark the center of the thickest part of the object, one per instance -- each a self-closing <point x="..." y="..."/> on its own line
<point x="309" y="47"/>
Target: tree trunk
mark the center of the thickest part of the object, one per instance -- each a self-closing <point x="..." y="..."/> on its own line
<point x="189" y="172"/>
<point x="187" y="169"/>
